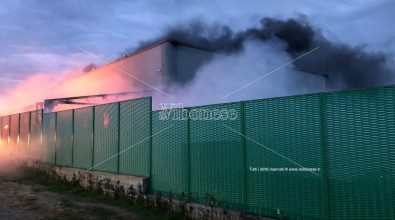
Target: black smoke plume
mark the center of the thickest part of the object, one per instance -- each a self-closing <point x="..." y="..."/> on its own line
<point x="342" y="65"/>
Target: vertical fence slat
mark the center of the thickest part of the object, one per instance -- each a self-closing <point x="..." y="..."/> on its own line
<point x="64" y="138"/>
<point x="169" y="154"/>
<point x="361" y="153"/>
<point x="324" y="153"/>
<point x="135" y="137"/>
<point x="106" y="138"/>
<point x="243" y="137"/>
<point x="189" y="152"/>
<point x="284" y="133"/>
<point x="217" y="156"/>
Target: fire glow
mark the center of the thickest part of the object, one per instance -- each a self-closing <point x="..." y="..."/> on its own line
<point x="41" y="86"/>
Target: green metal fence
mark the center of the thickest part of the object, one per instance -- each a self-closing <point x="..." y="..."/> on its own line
<point x="170" y="153"/>
<point x="83" y="138"/>
<point x="134" y="141"/>
<point x="361" y="153"/>
<point x="5" y="124"/>
<point x="285" y="133"/>
<point x="13" y="135"/>
<point x="321" y="156"/>
<point x="106" y="137"/>
<point x="217" y="157"/>
<point x="36" y="123"/>
<point x="14" y="130"/>
<point x="24" y="130"/>
<point x="48" y="153"/>
<point x="64" y="138"/>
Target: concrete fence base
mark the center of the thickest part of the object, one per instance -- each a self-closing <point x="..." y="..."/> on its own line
<point x="85" y="178"/>
<point x="140" y="185"/>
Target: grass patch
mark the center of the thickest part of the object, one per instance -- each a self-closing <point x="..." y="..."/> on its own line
<point x="33" y="176"/>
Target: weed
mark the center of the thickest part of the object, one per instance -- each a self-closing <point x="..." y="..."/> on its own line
<point x="103" y="191"/>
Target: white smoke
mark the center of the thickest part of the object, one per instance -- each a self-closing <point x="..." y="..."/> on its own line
<point x="246" y="75"/>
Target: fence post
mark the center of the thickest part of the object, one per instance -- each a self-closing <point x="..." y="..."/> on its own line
<point x="19" y="136"/>
<point x="119" y="137"/>
<point x="243" y="131"/>
<point x="324" y="158"/>
<point x="9" y="131"/>
<point x="28" y="134"/>
<point x="93" y="137"/>
<point x="189" y="152"/>
<point x="150" y="147"/>
<point x="41" y="132"/>
<point x="56" y="134"/>
<point x="72" y="138"/>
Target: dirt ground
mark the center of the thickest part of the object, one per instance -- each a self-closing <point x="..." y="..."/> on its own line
<point x="23" y="200"/>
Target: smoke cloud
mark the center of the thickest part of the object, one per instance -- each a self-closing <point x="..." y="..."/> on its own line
<point x="239" y="58"/>
<point x="217" y="80"/>
<point x="343" y="66"/>
<point x="13" y="155"/>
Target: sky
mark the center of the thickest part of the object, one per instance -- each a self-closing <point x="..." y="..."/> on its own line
<point x="46" y="36"/>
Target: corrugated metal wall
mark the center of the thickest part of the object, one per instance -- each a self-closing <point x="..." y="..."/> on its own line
<point x="135" y="141"/>
<point x="83" y="138"/>
<point x="170" y="154"/>
<point x="64" y="138"/>
<point x="106" y="137"/>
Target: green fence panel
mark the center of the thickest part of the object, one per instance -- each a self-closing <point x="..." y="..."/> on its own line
<point x="361" y="153"/>
<point x="284" y="133"/>
<point x="135" y="141"/>
<point x="14" y="131"/>
<point x="83" y="138"/>
<point x="170" y="155"/>
<point x="106" y="137"/>
<point x="216" y="154"/>
<point x="49" y="138"/>
<point x="64" y="138"/>
<point x="5" y="126"/>
<point x="24" y="134"/>
<point x="36" y="120"/>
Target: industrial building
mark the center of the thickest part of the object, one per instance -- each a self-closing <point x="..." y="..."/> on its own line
<point x="155" y="69"/>
<point x="147" y="72"/>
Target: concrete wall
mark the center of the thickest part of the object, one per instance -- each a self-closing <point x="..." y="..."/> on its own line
<point x="89" y="179"/>
<point x="82" y="175"/>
